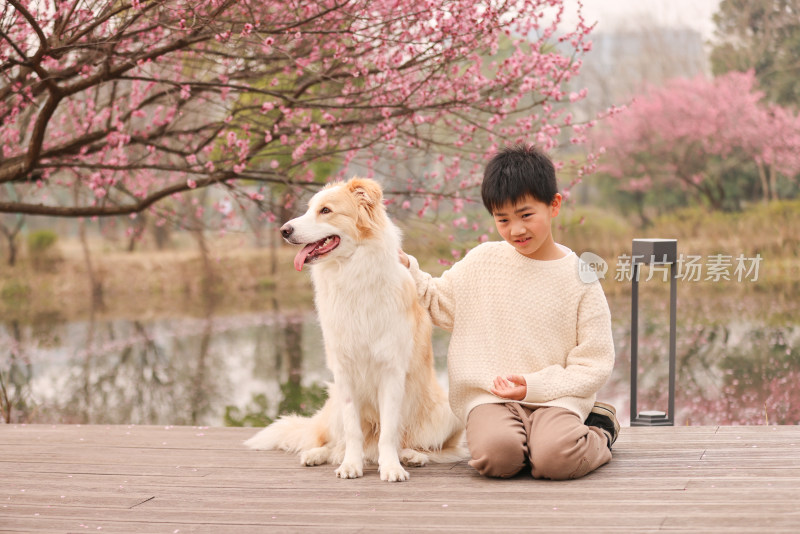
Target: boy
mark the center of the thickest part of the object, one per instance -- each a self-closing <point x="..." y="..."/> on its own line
<point x="531" y="343"/>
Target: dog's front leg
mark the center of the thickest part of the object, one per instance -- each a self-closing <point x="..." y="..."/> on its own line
<point x="390" y="399"/>
<point x="353" y="463"/>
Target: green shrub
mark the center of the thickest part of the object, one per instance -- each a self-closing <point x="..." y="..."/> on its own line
<point x="41" y="249"/>
<point x="265" y="285"/>
<point x="41" y="241"/>
<point x="14" y="292"/>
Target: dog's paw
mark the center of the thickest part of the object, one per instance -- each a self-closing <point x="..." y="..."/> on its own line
<point x="315" y="456"/>
<point x="413" y="458"/>
<point x="394" y="473"/>
<point x="350" y="470"/>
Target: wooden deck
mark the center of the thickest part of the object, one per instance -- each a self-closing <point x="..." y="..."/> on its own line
<point x="182" y="479"/>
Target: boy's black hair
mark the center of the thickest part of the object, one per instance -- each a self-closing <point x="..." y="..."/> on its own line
<point x="515" y="172"/>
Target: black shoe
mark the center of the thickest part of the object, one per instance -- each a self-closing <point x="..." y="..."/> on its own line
<point x="604" y="417"/>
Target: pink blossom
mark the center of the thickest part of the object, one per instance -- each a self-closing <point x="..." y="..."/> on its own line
<point x="336" y="89"/>
<point x="686" y="126"/>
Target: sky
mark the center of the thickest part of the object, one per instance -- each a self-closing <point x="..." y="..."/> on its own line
<point x="614" y="15"/>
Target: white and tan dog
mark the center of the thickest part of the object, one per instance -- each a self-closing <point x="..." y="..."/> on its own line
<point x="384" y="403"/>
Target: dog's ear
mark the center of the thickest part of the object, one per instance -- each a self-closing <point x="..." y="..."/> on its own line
<point x="370" y="203"/>
<point x="368" y="192"/>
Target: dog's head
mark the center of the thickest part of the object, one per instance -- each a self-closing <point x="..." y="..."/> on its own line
<point x="339" y="217"/>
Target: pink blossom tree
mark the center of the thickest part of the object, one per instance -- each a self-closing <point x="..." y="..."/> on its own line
<point x="699" y="136"/>
<point x="113" y="108"/>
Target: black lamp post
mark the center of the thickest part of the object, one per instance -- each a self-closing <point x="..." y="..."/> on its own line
<point x="653" y="252"/>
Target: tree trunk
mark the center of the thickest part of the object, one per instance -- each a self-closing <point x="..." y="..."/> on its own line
<point x="11" y="238"/>
<point x="139" y="226"/>
<point x="290" y="352"/>
<point x="762" y="176"/>
<point x="274" y="245"/>
<point x="772" y="186"/>
<point x="95" y="283"/>
<point x="12" y="251"/>
<point x="206" y="282"/>
<point x="640" y="209"/>
<point x="200" y="389"/>
<point x="13" y="378"/>
<point x="161" y="235"/>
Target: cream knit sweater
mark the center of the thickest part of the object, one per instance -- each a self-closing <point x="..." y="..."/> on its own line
<point x="510" y="314"/>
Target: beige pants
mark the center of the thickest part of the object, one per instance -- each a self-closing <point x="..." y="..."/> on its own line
<point x="552" y="441"/>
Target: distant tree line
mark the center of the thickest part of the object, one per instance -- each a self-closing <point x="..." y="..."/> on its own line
<point x="720" y="142"/>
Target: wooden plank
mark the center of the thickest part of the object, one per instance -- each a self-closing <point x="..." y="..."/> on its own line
<point x="168" y="479"/>
<point x="579" y="515"/>
<point x="298" y="488"/>
<point x="78" y="498"/>
<point x="739" y="522"/>
<point x="117" y="469"/>
<point x="28" y="526"/>
<point x="370" y="514"/>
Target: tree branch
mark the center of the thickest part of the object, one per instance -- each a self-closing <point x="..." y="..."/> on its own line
<point x="108" y="211"/>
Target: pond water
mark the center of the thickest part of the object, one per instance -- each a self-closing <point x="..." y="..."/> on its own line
<point x="245" y="369"/>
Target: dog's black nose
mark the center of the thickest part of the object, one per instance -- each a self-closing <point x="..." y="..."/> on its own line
<point x="286" y="230"/>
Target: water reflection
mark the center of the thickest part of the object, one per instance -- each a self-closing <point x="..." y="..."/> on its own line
<point x="246" y="369"/>
<point x="169" y="371"/>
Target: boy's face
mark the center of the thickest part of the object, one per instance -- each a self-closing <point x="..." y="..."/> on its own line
<point x="526" y="226"/>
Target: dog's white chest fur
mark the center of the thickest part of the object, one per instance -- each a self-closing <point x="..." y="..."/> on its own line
<point x="363" y="310"/>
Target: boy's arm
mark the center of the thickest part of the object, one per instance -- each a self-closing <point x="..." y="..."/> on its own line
<point x="588" y="365"/>
<point x="435" y="294"/>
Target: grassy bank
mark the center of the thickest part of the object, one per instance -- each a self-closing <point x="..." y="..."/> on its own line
<point x="238" y="277"/>
<point x="152" y="283"/>
<point x="771" y="232"/>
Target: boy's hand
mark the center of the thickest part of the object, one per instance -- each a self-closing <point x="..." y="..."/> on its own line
<point x="403" y="258"/>
<point x="512" y="387"/>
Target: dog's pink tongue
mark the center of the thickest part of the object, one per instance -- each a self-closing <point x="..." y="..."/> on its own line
<point x="300" y="259"/>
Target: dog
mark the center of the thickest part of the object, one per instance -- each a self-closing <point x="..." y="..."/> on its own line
<point x="385" y="403"/>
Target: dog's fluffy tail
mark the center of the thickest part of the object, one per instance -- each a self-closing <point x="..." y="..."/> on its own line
<point x="449" y="455"/>
<point x="442" y="437"/>
<point x="454" y="449"/>
<point x="291" y="433"/>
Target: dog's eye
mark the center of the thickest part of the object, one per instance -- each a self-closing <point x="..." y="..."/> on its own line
<point x="323" y="211"/>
